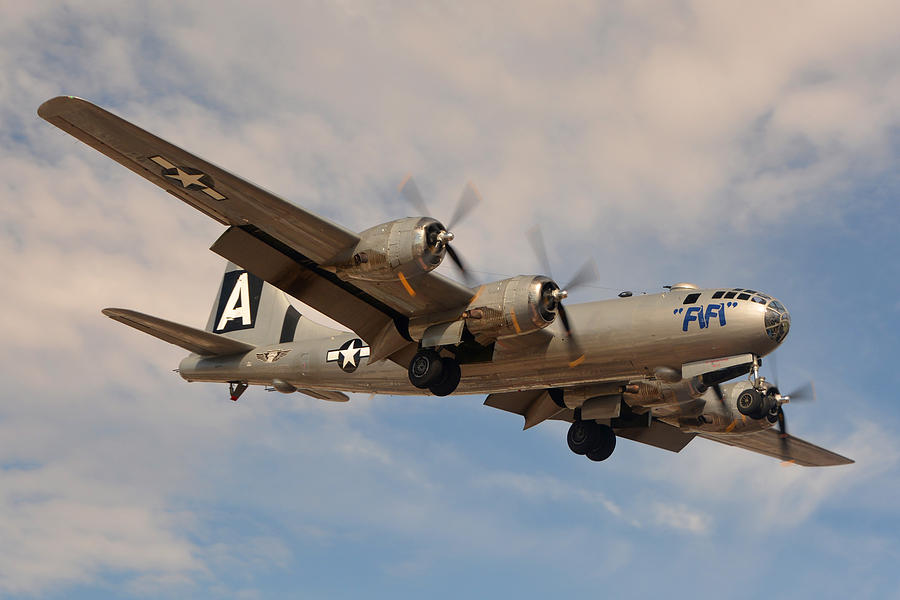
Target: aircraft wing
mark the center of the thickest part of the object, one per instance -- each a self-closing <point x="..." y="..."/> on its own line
<point x="274" y="239"/>
<point x="769" y="442"/>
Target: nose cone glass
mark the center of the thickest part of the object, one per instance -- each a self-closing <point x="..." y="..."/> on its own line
<point x="778" y="321"/>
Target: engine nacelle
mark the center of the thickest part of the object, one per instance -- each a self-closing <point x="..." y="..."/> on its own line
<point x="409" y="246"/>
<point x="696" y="409"/>
<point x="729" y="415"/>
<point x="512" y="307"/>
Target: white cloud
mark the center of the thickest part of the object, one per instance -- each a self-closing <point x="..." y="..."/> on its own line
<point x="760" y="494"/>
<point x="681" y="517"/>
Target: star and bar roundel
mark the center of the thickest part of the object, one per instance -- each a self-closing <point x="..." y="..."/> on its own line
<point x="188" y="177"/>
<point x="349" y="355"/>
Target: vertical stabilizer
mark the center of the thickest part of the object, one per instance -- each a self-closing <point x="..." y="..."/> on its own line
<point x="252" y="311"/>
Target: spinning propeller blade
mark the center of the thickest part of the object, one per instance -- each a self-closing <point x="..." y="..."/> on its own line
<point x="468" y="201"/>
<point x="588" y="273"/>
<point x="805" y="392"/>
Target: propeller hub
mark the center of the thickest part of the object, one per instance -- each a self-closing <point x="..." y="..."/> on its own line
<point x="445" y="237"/>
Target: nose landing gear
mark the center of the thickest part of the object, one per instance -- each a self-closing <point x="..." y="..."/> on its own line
<point x="591" y="439"/>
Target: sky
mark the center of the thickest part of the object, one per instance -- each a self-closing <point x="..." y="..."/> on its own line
<point x="722" y="143"/>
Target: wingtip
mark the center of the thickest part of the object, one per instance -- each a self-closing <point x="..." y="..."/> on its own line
<point x="51" y="107"/>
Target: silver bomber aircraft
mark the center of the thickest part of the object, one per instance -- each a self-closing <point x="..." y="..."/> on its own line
<point x="650" y="368"/>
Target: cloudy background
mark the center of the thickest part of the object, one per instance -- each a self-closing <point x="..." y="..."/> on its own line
<point x="751" y="144"/>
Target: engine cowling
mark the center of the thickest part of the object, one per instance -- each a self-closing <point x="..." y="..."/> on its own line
<point x="410" y="246"/>
<point x="512" y="307"/>
<point x="727" y="417"/>
<point x="699" y="411"/>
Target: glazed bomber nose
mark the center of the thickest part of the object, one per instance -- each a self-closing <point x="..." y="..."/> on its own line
<point x="778" y="321"/>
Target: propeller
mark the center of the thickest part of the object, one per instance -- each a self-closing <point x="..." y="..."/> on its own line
<point x="806" y="392"/>
<point x="552" y="295"/>
<point x="441" y="236"/>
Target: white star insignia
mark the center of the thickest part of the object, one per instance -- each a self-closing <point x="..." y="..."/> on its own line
<point x="348" y="355"/>
<point x="186" y="179"/>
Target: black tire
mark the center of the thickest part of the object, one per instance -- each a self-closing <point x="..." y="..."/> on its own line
<point x="450" y="377"/>
<point x="750" y="403"/>
<point x="425" y="368"/>
<point x="606" y="444"/>
<point x="583" y="436"/>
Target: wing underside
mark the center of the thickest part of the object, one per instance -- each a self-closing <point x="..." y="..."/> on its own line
<point x="271" y="237"/>
<point x="791" y="449"/>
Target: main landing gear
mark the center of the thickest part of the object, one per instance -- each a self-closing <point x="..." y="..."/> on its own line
<point x="438" y="374"/>
<point x="591" y="439"/>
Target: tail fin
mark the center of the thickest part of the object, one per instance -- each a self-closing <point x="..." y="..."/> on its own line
<point x="250" y="310"/>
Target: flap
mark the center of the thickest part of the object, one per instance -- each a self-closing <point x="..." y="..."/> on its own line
<point x="659" y="434"/>
<point x="535" y="405"/>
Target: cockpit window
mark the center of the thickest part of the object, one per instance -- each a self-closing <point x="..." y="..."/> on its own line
<point x="737" y="289"/>
<point x="718" y="294"/>
<point x="743" y="296"/>
<point x="730" y="294"/>
<point x="750" y="291"/>
<point x="691" y="298"/>
<point x="778" y="306"/>
<point x="758" y="300"/>
<point x="761" y="295"/>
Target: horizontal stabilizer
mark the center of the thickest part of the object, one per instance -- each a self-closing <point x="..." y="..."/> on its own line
<point x="194" y="340"/>
<point x="794" y="450"/>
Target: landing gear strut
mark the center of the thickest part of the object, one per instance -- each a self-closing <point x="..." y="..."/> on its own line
<point x="429" y="370"/>
<point x="591" y="439"/>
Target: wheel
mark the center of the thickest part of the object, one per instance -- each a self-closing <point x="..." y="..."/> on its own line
<point x="425" y="368"/>
<point x="583" y="436"/>
<point x="605" y="445"/>
<point x="750" y="403"/>
<point x="449" y="378"/>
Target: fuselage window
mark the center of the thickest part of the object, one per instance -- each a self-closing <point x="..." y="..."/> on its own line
<point x="690" y="298"/>
<point x="743" y="296"/>
<point x="730" y="294"/>
<point x="718" y="294"/>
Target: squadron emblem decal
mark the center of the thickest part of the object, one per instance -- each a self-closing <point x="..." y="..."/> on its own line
<point x="348" y="356"/>
<point x="189" y="178"/>
<point x="271" y="356"/>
